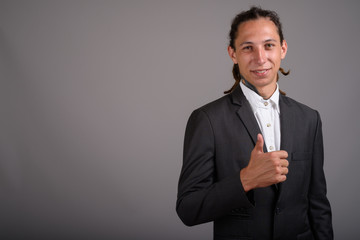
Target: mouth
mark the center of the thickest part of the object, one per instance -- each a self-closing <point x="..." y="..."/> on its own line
<point x="260" y="72"/>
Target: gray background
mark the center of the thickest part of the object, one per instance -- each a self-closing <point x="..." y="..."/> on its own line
<point x="95" y="95"/>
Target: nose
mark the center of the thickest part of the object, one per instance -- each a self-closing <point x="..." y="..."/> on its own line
<point x="260" y="56"/>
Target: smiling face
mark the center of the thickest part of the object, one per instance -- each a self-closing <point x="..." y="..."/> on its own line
<point x="258" y="53"/>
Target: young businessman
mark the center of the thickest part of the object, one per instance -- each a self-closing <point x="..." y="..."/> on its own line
<point x="253" y="159"/>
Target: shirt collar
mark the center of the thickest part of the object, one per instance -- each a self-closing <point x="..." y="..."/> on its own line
<point x="256" y="101"/>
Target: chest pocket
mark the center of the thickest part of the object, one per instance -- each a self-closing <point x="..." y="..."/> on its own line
<point x="301" y="156"/>
<point x="300" y="172"/>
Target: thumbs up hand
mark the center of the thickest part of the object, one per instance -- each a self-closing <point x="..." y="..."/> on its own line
<point x="259" y="146"/>
<point x="264" y="169"/>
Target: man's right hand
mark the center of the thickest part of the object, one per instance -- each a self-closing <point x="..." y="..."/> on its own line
<point x="264" y="169"/>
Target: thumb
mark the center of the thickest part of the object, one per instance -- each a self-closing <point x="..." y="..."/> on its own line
<point x="259" y="146"/>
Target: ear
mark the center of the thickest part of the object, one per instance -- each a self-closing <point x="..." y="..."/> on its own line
<point x="232" y="54"/>
<point x="284" y="48"/>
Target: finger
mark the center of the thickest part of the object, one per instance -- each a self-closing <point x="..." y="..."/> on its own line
<point x="281" y="178"/>
<point x="280" y="154"/>
<point x="284" y="163"/>
<point x="259" y="146"/>
<point x="285" y="171"/>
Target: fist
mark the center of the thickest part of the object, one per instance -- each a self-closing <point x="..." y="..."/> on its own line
<point x="264" y="169"/>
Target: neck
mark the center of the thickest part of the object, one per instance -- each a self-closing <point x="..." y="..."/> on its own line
<point x="249" y="85"/>
<point x="265" y="92"/>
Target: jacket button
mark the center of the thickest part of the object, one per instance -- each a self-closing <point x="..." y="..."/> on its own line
<point x="277" y="211"/>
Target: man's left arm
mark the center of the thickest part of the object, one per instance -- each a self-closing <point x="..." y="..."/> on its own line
<point x="319" y="206"/>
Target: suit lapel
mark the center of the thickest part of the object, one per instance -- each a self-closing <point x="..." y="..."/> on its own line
<point x="246" y="115"/>
<point x="286" y="126"/>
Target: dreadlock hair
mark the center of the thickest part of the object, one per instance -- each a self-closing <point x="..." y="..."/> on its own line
<point x="252" y="14"/>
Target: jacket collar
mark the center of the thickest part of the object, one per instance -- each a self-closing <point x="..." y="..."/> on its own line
<point x="237" y="96"/>
<point x="247" y="117"/>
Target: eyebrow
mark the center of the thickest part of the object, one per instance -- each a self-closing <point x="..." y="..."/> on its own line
<point x="267" y="40"/>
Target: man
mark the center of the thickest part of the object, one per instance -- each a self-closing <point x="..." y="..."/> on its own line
<point x="253" y="159"/>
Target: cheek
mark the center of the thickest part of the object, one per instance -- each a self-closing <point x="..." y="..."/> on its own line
<point x="276" y="57"/>
<point x="242" y="67"/>
<point x="243" y="60"/>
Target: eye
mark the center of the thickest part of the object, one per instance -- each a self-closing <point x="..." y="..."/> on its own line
<point x="269" y="45"/>
<point x="247" y="48"/>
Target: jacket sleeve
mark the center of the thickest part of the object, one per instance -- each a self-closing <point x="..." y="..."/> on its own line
<point x="201" y="197"/>
<point x="319" y="206"/>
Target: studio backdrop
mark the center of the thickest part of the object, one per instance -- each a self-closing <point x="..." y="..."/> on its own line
<point x="95" y="96"/>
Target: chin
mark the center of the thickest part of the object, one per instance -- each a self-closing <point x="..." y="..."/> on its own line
<point x="260" y="82"/>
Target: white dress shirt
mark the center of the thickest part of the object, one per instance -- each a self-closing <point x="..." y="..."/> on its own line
<point x="267" y="114"/>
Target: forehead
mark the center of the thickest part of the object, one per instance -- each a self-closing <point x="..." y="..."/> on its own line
<point x="258" y="29"/>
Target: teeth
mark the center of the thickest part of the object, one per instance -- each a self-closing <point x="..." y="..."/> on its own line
<point x="261" y="71"/>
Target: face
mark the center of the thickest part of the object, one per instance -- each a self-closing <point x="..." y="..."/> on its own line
<point x="258" y="53"/>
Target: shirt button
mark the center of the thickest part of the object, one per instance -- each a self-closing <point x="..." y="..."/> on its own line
<point x="268" y="125"/>
<point x="271" y="148"/>
<point x="266" y="103"/>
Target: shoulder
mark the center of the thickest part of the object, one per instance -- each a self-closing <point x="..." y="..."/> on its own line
<point x="300" y="110"/>
<point x="217" y="104"/>
<point x="203" y="119"/>
<point x="214" y="112"/>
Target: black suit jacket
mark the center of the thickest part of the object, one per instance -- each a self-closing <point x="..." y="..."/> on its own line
<point x="218" y="141"/>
